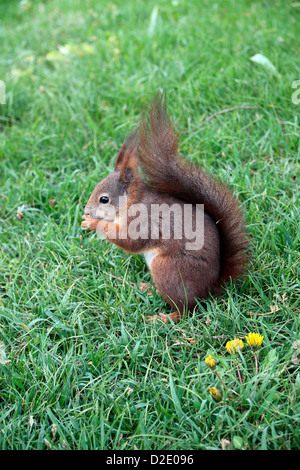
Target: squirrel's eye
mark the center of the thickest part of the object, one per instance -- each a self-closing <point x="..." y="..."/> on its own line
<point x="104" y="199"/>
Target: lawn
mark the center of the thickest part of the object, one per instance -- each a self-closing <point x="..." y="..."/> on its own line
<point x="80" y="368"/>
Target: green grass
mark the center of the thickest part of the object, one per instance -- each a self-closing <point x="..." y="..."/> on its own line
<point x="80" y="367"/>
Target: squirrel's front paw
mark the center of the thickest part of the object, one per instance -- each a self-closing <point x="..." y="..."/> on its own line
<point x="89" y="222"/>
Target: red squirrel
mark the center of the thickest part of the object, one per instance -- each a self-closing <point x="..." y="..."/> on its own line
<point x="149" y="173"/>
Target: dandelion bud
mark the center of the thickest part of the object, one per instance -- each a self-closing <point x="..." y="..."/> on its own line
<point x="210" y="362"/>
<point x="215" y="393"/>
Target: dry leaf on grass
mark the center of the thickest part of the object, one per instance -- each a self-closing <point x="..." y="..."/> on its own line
<point x="51" y="202"/>
<point x="144" y="287"/>
<point x="186" y="338"/>
<point x="273" y="309"/>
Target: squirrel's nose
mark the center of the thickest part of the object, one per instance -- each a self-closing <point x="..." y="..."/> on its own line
<point x="86" y="210"/>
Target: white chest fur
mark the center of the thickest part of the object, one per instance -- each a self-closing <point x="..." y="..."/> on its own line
<point x="149" y="256"/>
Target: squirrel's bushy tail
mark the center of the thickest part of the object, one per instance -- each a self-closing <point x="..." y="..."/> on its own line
<point x="167" y="172"/>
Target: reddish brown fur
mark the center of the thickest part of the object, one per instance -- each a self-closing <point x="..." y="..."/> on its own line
<point x="168" y="173"/>
<point x="180" y="275"/>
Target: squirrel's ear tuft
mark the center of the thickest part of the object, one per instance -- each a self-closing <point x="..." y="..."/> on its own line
<point x="158" y="149"/>
<point x="127" y="176"/>
<point x="127" y="157"/>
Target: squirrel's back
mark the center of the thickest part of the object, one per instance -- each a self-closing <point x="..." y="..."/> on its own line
<point x="165" y="171"/>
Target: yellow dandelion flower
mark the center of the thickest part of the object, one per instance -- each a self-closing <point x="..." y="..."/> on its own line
<point x="254" y="340"/>
<point x="210" y="362"/>
<point x="234" y="345"/>
<point x="215" y="393"/>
